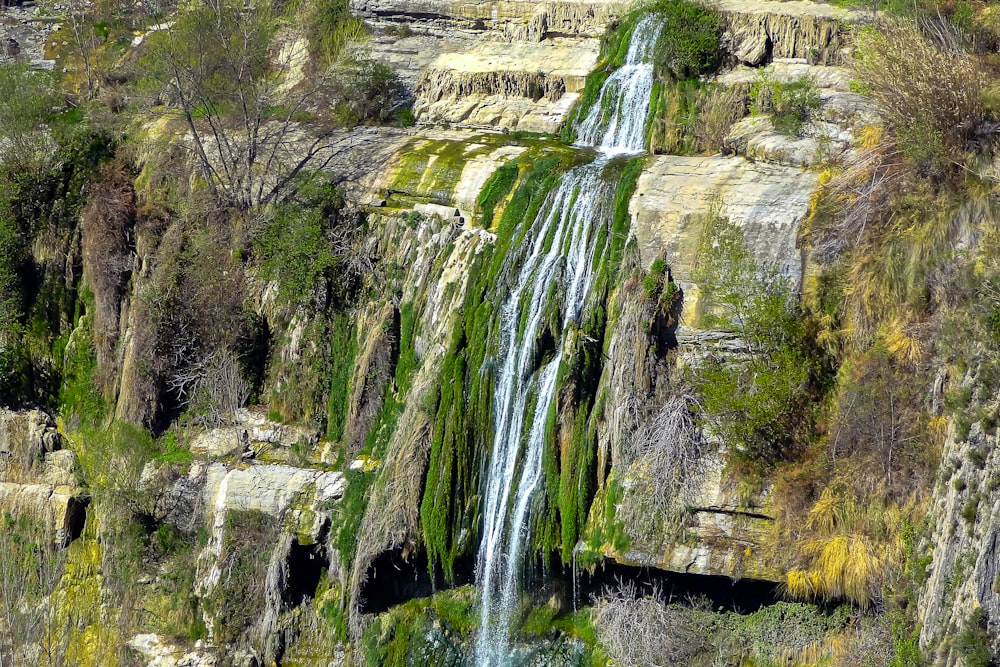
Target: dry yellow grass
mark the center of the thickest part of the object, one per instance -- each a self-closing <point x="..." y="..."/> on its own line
<point x="852" y="551"/>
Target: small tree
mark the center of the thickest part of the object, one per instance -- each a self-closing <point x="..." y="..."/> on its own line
<point x="231" y="75"/>
<point x="759" y="402"/>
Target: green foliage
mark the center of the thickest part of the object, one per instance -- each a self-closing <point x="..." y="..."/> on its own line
<point x="539" y="620"/>
<point x="611" y="243"/>
<point x="605" y="530"/>
<point x="343" y="349"/>
<point x="932" y="94"/>
<point x="330" y="28"/>
<point x="369" y="90"/>
<point x="29" y="101"/>
<point x="299" y="246"/>
<point x="761" y="404"/>
<point x="974" y="641"/>
<point x="789" y="103"/>
<point x="689" y="45"/>
<point x="14" y="363"/>
<point x="494" y="190"/>
<point x="172" y="451"/>
<point x="905" y="641"/>
<point x="79" y="397"/>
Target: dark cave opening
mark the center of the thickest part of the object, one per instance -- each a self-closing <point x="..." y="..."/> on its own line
<point x="723" y="593"/>
<point x="306" y="564"/>
<point x="76" y="518"/>
<point x="393" y="580"/>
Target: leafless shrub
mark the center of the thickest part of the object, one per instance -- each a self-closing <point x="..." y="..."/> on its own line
<point x="931" y="91"/>
<point x="214" y="386"/>
<point x="857" y="200"/>
<point x="645" y="632"/>
<point x="663" y="462"/>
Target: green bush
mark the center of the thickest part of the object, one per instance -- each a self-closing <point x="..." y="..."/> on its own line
<point x="330" y="27"/>
<point x="304" y="242"/>
<point x="28" y="99"/>
<point x="788" y="102"/>
<point x="368" y="90"/>
<point x="689" y="45"/>
<point x="973" y="643"/>
<point x="760" y="403"/>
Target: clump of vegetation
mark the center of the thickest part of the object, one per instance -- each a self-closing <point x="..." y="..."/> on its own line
<point x="692" y="117"/>
<point x="853" y="550"/>
<point x="762" y="403"/>
<point x="689" y="46"/>
<point x="932" y="97"/>
<point x="789" y="103"/>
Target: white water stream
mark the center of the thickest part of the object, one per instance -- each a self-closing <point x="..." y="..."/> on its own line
<point x="558" y="266"/>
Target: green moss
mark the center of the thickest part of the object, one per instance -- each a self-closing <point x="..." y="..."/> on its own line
<point x="430" y="170"/>
<point x="434" y="630"/>
<point x="496" y="188"/>
<point x="539" y="620"/>
<point x="603" y="531"/>
<point x="343" y="350"/>
<point x="79" y="396"/>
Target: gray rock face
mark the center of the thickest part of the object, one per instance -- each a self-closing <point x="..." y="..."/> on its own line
<point x="27" y="436"/>
<point x="157" y="651"/>
<point x="675" y="194"/>
<point x="500" y="20"/>
<point x="252" y="435"/>
<point x="759" y="30"/>
<point x="964" y="543"/>
<point x="37" y="476"/>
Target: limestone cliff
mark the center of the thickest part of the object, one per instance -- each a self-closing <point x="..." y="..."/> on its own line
<point x="319" y="500"/>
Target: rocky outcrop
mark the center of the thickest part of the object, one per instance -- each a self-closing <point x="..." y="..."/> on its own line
<point x="676" y="194"/>
<point x="38" y="477"/>
<point x="960" y="556"/>
<point x="253" y="435"/>
<point x="830" y="131"/>
<point x="758" y="31"/>
<point x="160" y="652"/>
<point x="438" y="84"/>
<point x="501" y="19"/>
<point x="212" y="489"/>
<point x="722" y="536"/>
<point x="490" y="84"/>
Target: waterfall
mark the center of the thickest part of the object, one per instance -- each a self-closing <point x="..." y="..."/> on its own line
<point x="616" y="123"/>
<point x="558" y="259"/>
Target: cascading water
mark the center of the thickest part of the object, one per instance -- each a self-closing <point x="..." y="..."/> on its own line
<point x="616" y="123"/>
<point x="558" y="265"/>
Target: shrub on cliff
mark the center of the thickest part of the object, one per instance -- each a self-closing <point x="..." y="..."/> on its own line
<point x="759" y="402"/>
<point x="933" y="97"/>
<point x="789" y="103"/>
<point x="689" y="44"/>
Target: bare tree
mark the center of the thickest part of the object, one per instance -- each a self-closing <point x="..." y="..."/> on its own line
<point x="253" y="121"/>
<point x="30" y="567"/>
